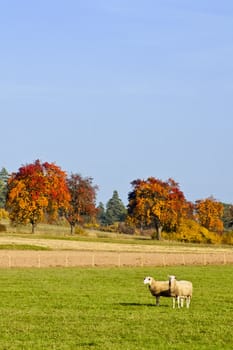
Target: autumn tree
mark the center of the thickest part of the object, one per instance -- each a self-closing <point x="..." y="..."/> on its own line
<point x="36" y="190"/>
<point x="115" y="210"/>
<point x="58" y="192"/>
<point x="82" y="204"/>
<point x="209" y="214"/>
<point x="158" y="204"/>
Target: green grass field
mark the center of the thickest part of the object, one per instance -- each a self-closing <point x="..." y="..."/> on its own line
<point x="112" y="309"/>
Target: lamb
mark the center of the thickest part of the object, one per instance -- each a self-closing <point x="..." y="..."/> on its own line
<point x="158" y="288"/>
<point x="180" y="290"/>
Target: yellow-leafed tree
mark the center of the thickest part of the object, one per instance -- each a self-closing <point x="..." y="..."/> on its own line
<point x="158" y="204"/>
<point x="209" y="214"/>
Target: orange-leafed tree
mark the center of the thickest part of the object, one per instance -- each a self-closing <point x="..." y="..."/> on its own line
<point x="209" y="214"/>
<point x="36" y="190"/>
<point x="158" y="204"/>
<point x="58" y="191"/>
<point x="82" y="206"/>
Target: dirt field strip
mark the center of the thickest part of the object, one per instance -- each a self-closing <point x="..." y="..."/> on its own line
<point x="57" y="244"/>
<point x="90" y="254"/>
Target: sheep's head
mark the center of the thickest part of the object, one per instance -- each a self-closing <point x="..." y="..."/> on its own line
<point x="148" y="280"/>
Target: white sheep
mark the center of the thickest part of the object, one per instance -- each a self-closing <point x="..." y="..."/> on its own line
<point x="180" y="291"/>
<point x="158" y="288"/>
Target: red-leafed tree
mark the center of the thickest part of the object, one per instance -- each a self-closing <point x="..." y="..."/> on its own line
<point x="158" y="204"/>
<point x="35" y="190"/>
<point x="82" y="204"/>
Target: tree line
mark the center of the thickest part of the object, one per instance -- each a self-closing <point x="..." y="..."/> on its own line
<point x="44" y="192"/>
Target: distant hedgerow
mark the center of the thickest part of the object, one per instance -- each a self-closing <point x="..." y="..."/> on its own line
<point x="193" y="232"/>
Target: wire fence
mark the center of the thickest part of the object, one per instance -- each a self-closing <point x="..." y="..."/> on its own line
<point x="42" y="259"/>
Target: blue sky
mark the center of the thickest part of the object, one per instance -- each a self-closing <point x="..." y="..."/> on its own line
<point x="120" y="90"/>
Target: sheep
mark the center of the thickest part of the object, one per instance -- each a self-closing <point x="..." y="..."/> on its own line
<point x="158" y="288"/>
<point x="180" y="290"/>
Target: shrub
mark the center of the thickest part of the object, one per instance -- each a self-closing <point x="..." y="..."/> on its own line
<point x="3" y="214"/>
<point x="80" y="231"/>
<point x="123" y="228"/>
<point x="92" y="226"/>
<point x="227" y="237"/>
<point x="2" y="228"/>
<point x="109" y="228"/>
<point x="191" y="231"/>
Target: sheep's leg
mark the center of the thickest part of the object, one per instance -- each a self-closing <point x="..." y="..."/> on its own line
<point x="188" y="302"/>
<point x="174" y="302"/>
<point x="181" y="302"/>
<point x="178" y="302"/>
<point x="157" y="300"/>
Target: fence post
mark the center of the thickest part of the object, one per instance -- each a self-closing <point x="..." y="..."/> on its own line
<point x="119" y="259"/>
<point x="39" y="261"/>
<point x="142" y="261"/>
<point x="183" y="259"/>
<point x="204" y="257"/>
<point x="67" y="261"/>
<point x="9" y="261"/>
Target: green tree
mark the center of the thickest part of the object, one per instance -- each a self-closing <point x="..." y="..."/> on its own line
<point x="101" y="214"/>
<point x="3" y="186"/>
<point x="227" y="217"/>
<point x="115" y="210"/>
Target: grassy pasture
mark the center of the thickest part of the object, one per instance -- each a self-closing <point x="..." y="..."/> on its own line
<point x="103" y="308"/>
<point x="62" y="232"/>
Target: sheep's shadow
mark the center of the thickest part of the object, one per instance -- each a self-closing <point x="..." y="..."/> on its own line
<point x="141" y="305"/>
